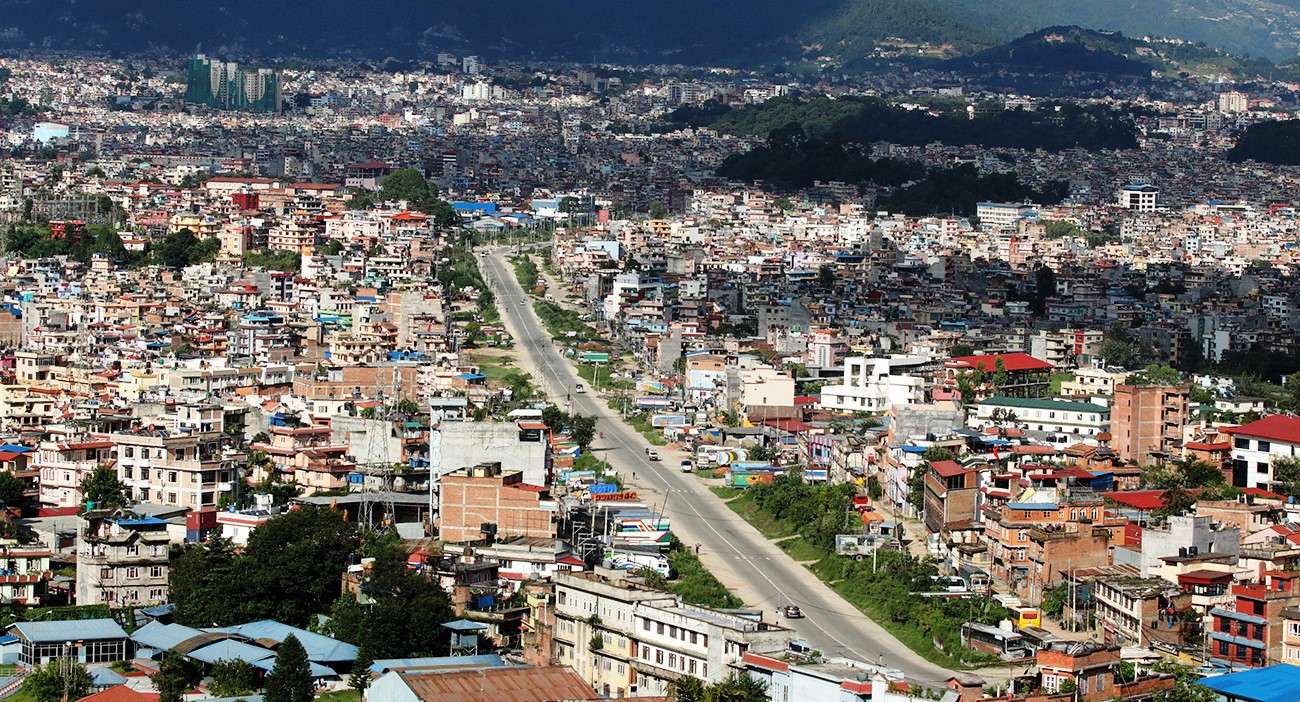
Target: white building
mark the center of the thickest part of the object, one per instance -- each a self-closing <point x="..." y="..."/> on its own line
<point x="1233" y="102"/>
<point x="870" y="385"/>
<point x="1139" y="196"/>
<point x="1002" y="215"/>
<point x="1082" y="419"/>
<point x="1256" y="445"/>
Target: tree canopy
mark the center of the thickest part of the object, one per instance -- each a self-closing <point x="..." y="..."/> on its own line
<point x="102" y="488"/>
<point x="288" y="572"/>
<point x="290" y="679"/>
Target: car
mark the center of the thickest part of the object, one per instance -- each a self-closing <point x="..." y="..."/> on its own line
<point x="651" y="454"/>
<point x="791" y="612"/>
<point x="687" y="466"/>
<point x="580" y="388"/>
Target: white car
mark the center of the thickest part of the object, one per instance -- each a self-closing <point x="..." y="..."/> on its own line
<point x="687" y="466"/>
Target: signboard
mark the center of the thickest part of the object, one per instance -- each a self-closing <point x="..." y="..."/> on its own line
<point x="594" y="357"/>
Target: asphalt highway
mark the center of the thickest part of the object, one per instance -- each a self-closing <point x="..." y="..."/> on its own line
<point x="763" y="575"/>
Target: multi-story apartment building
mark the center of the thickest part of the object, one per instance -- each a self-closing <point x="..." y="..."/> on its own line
<point x="676" y="640"/>
<point x="1066" y="348"/>
<point x="1127" y="604"/>
<point x="630" y="641"/>
<point x="24" y="573"/>
<point x="1076" y="419"/>
<point x="1256" y="444"/>
<point x="122" y="559"/>
<point x="180" y="466"/>
<point x="590" y="608"/>
<point x="62" y="464"/>
<point x="1251" y="632"/>
<point x="1147" y="422"/>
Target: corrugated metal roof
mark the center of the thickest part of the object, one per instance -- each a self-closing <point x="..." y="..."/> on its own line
<point x="69" y="630"/>
<point x="320" y="648"/>
<point x="549" y="684"/>
<point x="1276" y="683"/>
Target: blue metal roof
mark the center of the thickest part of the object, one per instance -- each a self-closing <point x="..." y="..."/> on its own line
<point x="69" y="630"/>
<point x="105" y="677"/>
<point x="319" y="647"/>
<point x="163" y="637"/>
<point x="1031" y="505"/>
<point x="464" y="625"/>
<point x="317" y="670"/>
<point x="1276" y="683"/>
<point x="15" y="448"/>
<point x="231" y="650"/>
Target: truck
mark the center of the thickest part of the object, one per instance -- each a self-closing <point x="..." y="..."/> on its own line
<point x="859" y="546"/>
<point x="634" y="560"/>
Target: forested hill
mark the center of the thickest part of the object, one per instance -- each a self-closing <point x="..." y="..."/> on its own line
<point x="741" y="32"/>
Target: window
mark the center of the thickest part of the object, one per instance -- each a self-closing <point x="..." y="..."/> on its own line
<point x="132" y="573"/>
<point x="564" y="596"/>
<point x="105" y="573"/>
<point x="660" y="628"/>
<point x="659" y="656"/>
<point x="129" y="452"/>
<point x="1241" y="443"/>
<point x="155" y="571"/>
<point x="1264" y="446"/>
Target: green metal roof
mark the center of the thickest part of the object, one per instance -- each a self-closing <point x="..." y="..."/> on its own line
<point x="1039" y="403"/>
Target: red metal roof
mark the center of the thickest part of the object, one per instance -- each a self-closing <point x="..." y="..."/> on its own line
<point x="947" y="469"/>
<point x="540" y="684"/>
<point x="1010" y="361"/>
<point x="1138" y="499"/>
<point x="1275" y="427"/>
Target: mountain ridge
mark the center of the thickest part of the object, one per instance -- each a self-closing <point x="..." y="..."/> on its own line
<point x="720" y="32"/>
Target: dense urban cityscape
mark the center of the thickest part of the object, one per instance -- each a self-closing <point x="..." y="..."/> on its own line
<point x="950" y="371"/>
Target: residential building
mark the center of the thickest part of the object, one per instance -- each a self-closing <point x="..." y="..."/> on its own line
<point x="1067" y="348"/>
<point x="1139" y="197"/>
<point x="1079" y="419"/>
<point x="122" y="559"/>
<point x="1250" y="632"/>
<point x="181" y="466"/>
<point x="1256" y="444"/>
<point x="1146" y="422"/>
<point x="871" y="385"/>
<point x="62" y="465"/>
<point x="1007" y="374"/>
<point x="470" y="498"/>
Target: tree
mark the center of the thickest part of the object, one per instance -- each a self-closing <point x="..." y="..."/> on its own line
<point x="1286" y="475"/>
<point x="359" y="680"/>
<point x="1155" y="374"/>
<point x="826" y="277"/>
<point x="292" y="563"/>
<point x="231" y="678"/>
<point x="1044" y="288"/>
<point x="554" y="418"/>
<point x="172" y="678"/>
<point x="103" y="490"/>
<point x="406" y="614"/>
<point x="959" y="350"/>
<point x="12" y="490"/>
<point x="1185" y="688"/>
<point x="206" y="583"/>
<point x="181" y="248"/>
<point x="760" y="453"/>
<point x="737" y="687"/>
<point x="58" y="680"/>
<point x="582" y="430"/>
<point x="290" y="679"/>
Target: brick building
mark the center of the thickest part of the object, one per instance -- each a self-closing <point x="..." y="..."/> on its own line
<point x="483" y="494"/>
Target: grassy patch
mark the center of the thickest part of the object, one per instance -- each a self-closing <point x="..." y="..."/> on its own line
<point x="1058" y="378"/>
<point x="695" y="584"/>
<point x="727" y="493"/>
<point x="770" y="526"/>
<point x="641" y="424"/>
<point x="348" y="695"/>
<point x="559" y="321"/>
<point x="802" y="551"/>
<point x="525" y="272"/>
<point x="590" y="461"/>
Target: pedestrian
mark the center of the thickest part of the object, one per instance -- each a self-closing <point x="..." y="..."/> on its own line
<point x="697" y="549"/>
